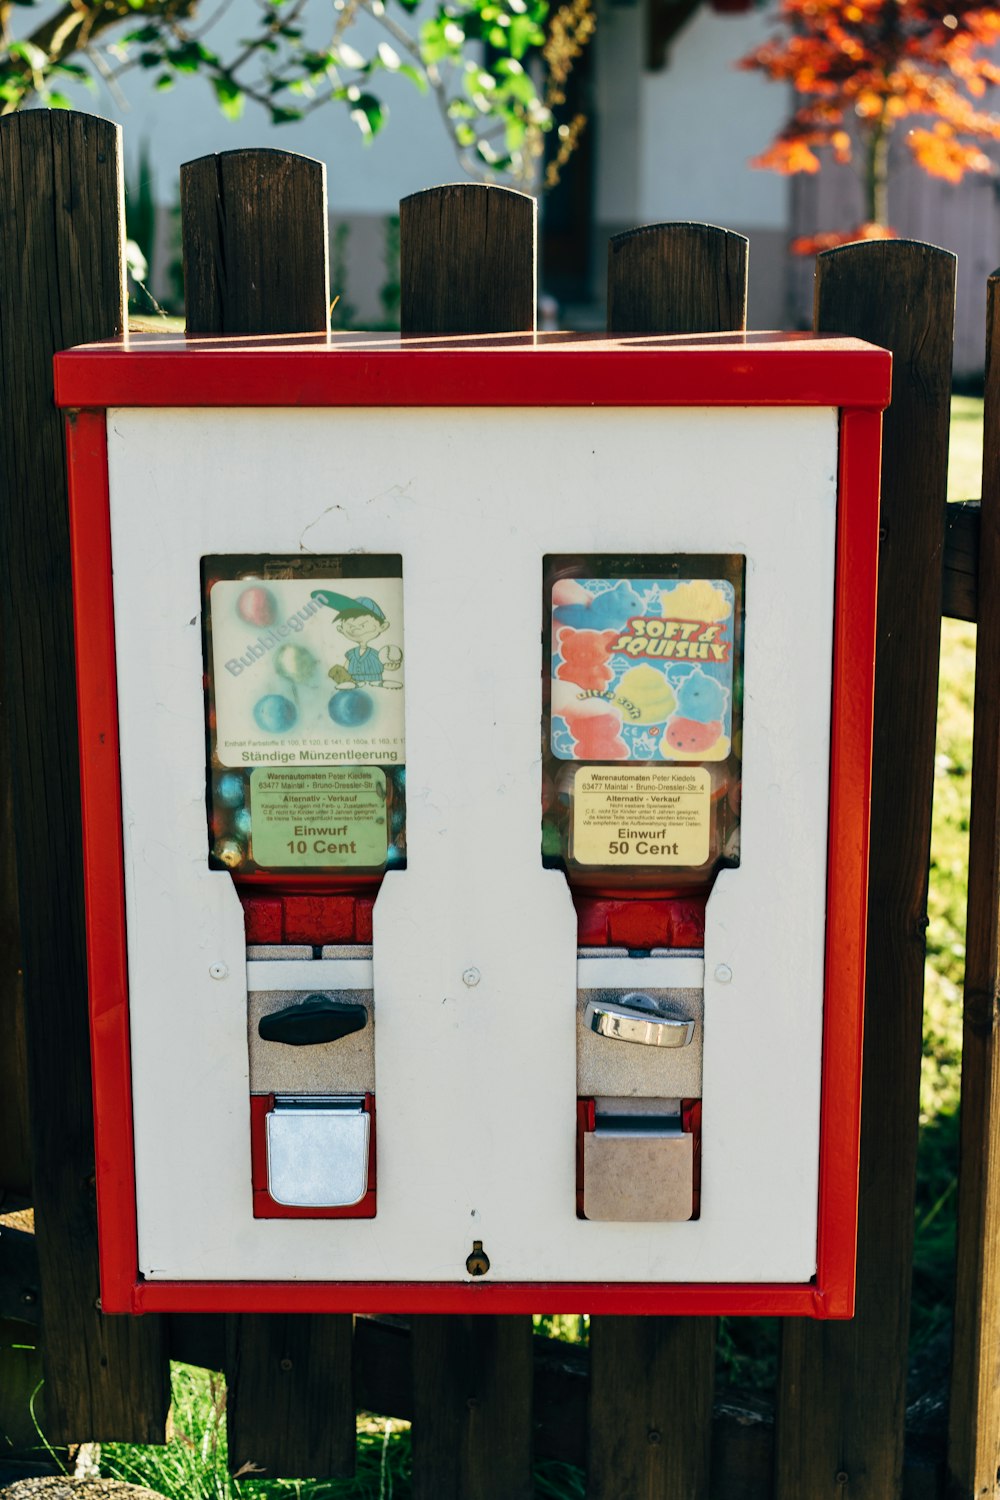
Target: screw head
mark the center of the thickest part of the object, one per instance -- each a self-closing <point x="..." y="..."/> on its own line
<point x="471" y="977"/>
<point x="723" y="973"/>
<point x="218" y="971"/>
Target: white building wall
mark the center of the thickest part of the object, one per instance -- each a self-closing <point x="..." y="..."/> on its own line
<point x="702" y="119"/>
<point x="676" y="143"/>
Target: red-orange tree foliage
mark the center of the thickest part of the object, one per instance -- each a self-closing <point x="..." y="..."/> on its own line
<point x="860" y="67"/>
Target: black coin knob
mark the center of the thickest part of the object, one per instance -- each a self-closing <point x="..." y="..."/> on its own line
<point x="308" y="1022"/>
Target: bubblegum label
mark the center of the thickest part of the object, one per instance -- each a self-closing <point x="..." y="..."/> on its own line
<point x="642" y="669"/>
<point x="308" y="671"/>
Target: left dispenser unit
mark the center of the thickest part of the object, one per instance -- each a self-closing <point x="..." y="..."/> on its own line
<point x="306" y="808"/>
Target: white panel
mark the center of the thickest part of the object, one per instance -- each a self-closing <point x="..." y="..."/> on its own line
<point x="476" y="1086"/>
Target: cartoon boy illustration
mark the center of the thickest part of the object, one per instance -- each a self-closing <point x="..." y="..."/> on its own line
<point x="361" y="620"/>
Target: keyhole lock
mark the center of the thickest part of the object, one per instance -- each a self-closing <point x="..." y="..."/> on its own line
<point x="478" y="1262"/>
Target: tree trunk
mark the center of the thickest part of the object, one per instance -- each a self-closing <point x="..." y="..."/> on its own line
<point x="877" y="174"/>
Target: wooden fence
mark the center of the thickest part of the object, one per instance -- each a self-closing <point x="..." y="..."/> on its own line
<point x="638" y="1408"/>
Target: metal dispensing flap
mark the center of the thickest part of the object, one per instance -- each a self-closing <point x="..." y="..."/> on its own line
<point x="317" y="1151"/>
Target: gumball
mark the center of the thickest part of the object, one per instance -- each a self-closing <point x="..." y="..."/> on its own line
<point x="295" y="663"/>
<point x="230" y="852"/>
<point x="351" y="707"/>
<point x="242" y="822"/>
<point x="274" y="713"/>
<point x="229" y="789"/>
<point x="256" y="605"/>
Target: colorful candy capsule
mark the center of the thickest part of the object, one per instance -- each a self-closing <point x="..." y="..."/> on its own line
<point x="257" y="606"/>
<point x="229" y="789"/>
<point x="242" y="822"/>
<point x="351" y="707"/>
<point x="230" y="852"/>
<point x="295" y="663"/>
<point x="275" y="713"/>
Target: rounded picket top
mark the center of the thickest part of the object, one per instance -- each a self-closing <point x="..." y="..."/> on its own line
<point x="64" y="225"/>
<point x="467" y="260"/>
<point x="677" y="278"/>
<point x="897" y="293"/>
<point x="256" y="243"/>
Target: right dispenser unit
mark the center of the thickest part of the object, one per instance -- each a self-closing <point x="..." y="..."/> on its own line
<point x="706" y="754"/>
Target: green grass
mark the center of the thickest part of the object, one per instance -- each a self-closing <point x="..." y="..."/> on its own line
<point x="940" y="1082"/>
<point x="193" y="1466"/>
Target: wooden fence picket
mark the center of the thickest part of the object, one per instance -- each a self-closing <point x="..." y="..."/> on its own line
<point x="974" y="1408"/>
<point x="256" y="243"/>
<point x="467" y="260"/>
<point x="841" y="1397"/>
<point x="290" y="1395"/>
<point x="467" y="257"/>
<point x="472" y="1408"/>
<point x="255" y="232"/>
<point x="677" y="278"/>
<point x="61" y="283"/>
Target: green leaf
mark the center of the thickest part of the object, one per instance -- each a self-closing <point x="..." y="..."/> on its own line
<point x="369" y="115"/>
<point x="230" y="96"/>
<point x="407" y="70"/>
<point x="55" y="100"/>
<point x="515" y="131"/>
<point x="523" y="34"/>
<point x="281" y="116"/>
<point x="190" y="56"/>
<point x="349" y="57"/>
<point x="72" y="70"/>
<point x="32" y="55"/>
<point x="164" y="82"/>
<point x="441" y="38"/>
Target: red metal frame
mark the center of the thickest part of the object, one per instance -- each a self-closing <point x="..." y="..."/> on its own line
<point x="751" y="370"/>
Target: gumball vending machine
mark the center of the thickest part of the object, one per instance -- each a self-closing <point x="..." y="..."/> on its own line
<point x="306" y="807"/>
<point x="641" y="809"/>
<point x="475" y="753"/>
